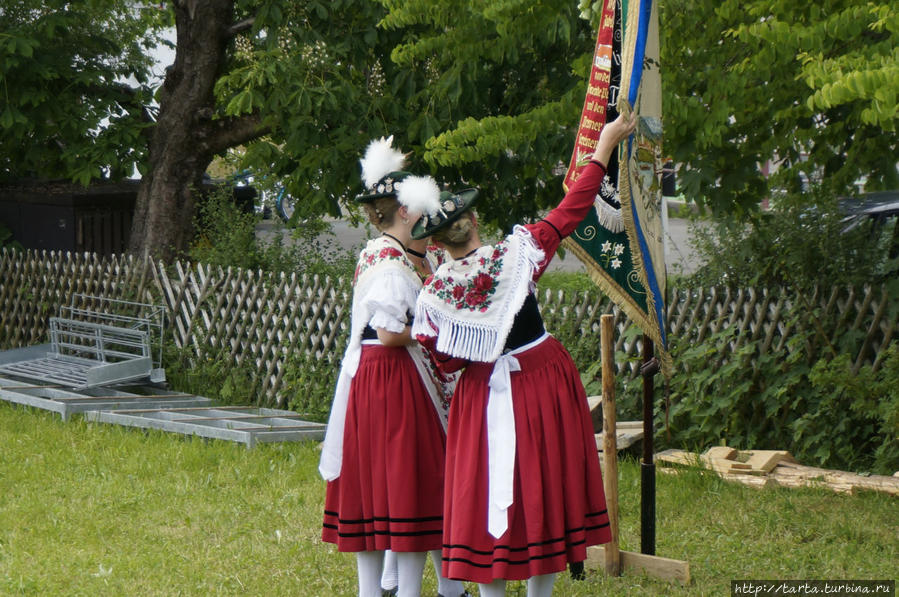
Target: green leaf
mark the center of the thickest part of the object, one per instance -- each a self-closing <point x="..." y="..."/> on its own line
<point x="7" y="118"/>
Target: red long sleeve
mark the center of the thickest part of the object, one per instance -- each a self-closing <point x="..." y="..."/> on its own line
<point x="565" y="217"/>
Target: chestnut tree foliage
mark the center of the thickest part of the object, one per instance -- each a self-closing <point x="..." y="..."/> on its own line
<point x="505" y="83"/>
<point x="811" y="86"/>
<point x="482" y="94"/>
<point x="74" y="87"/>
<point x="300" y="85"/>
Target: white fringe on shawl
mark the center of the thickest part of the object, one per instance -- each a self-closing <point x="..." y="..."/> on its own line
<point x="473" y="335"/>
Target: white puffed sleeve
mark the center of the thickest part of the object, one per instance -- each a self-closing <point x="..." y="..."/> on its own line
<point x="390" y="299"/>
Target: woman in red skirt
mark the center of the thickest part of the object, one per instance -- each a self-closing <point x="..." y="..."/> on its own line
<point x="524" y="492"/>
<point x="384" y="450"/>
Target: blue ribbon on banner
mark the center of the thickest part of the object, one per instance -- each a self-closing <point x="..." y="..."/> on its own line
<point x="636" y="76"/>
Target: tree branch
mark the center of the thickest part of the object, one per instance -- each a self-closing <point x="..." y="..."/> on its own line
<point x="131" y="94"/>
<point x="240" y="26"/>
<point x="219" y="135"/>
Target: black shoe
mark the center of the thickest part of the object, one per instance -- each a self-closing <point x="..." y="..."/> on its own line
<point x="388" y="592"/>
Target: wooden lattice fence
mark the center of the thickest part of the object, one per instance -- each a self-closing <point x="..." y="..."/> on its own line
<point x="257" y="318"/>
<point x="263" y="320"/>
<point x="34" y="285"/>
<point x="769" y="319"/>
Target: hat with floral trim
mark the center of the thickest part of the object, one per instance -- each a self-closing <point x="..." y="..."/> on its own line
<point x="452" y="205"/>
<point x="383" y="176"/>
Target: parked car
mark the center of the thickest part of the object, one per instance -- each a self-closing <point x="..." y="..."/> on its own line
<point x="879" y="207"/>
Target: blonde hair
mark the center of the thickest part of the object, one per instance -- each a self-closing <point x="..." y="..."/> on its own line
<point x="458" y="233"/>
<point x="381" y="211"/>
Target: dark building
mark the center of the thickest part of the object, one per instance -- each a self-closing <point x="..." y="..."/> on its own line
<point x="64" y="216"/>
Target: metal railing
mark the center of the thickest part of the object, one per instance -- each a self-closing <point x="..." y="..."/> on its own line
<point x="93" y="347"/>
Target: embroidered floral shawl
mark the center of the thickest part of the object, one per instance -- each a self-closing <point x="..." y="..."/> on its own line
<point x="470" y="304"/>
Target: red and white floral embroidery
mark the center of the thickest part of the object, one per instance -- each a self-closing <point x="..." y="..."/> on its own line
<point x="469" y="305"/>
<point x="475" y="292"/>
<point x="372" y="255"/>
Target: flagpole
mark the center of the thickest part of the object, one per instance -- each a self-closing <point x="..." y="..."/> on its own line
<point x="648" y="468"/>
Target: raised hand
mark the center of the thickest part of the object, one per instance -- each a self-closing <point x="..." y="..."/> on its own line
<point x="614" y="133"/>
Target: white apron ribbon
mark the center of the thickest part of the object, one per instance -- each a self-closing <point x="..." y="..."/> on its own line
<point x="332" y="448"/>
<point x="501" y="439"/>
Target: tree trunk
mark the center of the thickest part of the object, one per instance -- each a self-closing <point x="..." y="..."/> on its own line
<point x="179" y="149"/>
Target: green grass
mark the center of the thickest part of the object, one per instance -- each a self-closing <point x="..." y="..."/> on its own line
<point x="93" y="509"/>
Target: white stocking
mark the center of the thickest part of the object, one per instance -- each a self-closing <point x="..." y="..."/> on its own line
<point x="495" y="589"/>
<point x="410" y="565"/>
<point x="541" y="586"/>
<point x="389" y="575"/>
<point x="368" y="564"/>
<point x="445" y="586"/>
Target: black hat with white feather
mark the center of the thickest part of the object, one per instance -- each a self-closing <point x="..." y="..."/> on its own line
<point x="383" y="176"/>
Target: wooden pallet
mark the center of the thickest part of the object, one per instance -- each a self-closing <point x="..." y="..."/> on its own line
<point x="763" y="468"/>
<point x="627" y="433"/>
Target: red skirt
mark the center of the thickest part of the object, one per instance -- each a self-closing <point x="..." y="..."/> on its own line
<point x="388" y="494"/>
<point x="559" y="504"/>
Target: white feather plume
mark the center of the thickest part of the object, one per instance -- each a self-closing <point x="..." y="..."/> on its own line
<point x="420" y="195"/>
<point x="380" y="159"/>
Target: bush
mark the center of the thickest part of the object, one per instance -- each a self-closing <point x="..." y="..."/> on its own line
<point x="226" y="236"/>
<point x="307" y="381"/>
<point x="799" y="244"/>
<point x="310" y="382"/>
<point x="863" y="412"/>
<point x="818" y="408"/>
<point x="807" y="399"/>
<point x="6" y="239"/>
<point x="569" y="282"/>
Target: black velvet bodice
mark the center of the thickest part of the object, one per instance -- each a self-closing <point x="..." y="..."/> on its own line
<point x="527" y="326"/>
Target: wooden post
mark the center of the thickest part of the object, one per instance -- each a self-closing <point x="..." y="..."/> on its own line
<point x="610" y="556"/>
<point x="648" y="467"/>
<point x="640" y="563"/>
<point x="609" y="441"/>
